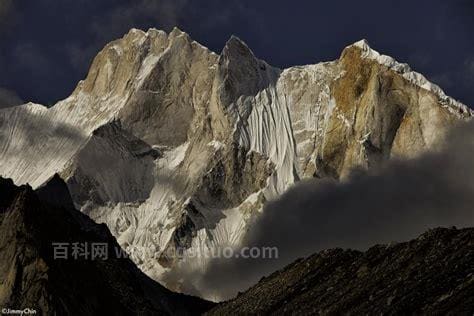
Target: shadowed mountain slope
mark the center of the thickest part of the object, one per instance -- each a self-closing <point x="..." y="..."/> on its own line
<point x="431" y="275"/>
<point x="30" y="276"/>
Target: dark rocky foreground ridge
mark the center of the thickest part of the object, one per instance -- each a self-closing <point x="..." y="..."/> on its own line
<point x="30" y="277"/>
<point x="433" y="274"/>
<point x="430" y="275"/>
<point x="175" y="147"/>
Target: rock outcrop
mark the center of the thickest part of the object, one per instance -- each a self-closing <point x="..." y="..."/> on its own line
<point x="32" y="277"/>
<point x="431" y="275"/>
<point x="175" y="147"/>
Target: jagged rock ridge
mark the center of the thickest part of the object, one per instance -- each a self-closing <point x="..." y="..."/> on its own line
<point x="431" y="275"/>
<point x="30" y="222"/>
<point x="174" y="146"/>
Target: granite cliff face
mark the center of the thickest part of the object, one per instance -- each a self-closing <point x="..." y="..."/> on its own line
<point x="173" y="146"/>
<point x="430" y="275"/>
<point x="31" y="277"/>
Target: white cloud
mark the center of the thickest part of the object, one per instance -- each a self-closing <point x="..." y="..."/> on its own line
<point x="396" y="203"/>
<point x="9" y="98"/>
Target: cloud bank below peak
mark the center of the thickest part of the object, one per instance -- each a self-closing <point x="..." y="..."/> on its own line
<point x="392" y="204"/>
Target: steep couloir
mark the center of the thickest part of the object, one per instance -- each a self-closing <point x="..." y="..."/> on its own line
<point x="175" y="147"/>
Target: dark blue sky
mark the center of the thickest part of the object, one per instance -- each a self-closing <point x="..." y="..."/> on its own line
<point x="46" y="46"/>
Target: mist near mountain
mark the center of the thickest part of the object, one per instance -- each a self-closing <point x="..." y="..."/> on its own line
<point x="391" y="204"/>
<point x="177" y="148"/>
<point x="9" y="98"/>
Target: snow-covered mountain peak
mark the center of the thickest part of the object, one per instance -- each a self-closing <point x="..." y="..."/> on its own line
<point x="172" y="145"/>
<point x="176" y="31"/>
<point x="412" y="76"/>
<point x="235" y="45"/>
<point x="240" y="73"/>
<point x="236" y="52"/>
<point x="363" y="43"/>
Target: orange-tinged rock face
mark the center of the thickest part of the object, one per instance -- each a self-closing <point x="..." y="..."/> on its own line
<point x="196" y="142"/>
<point x="379" y="114"/>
